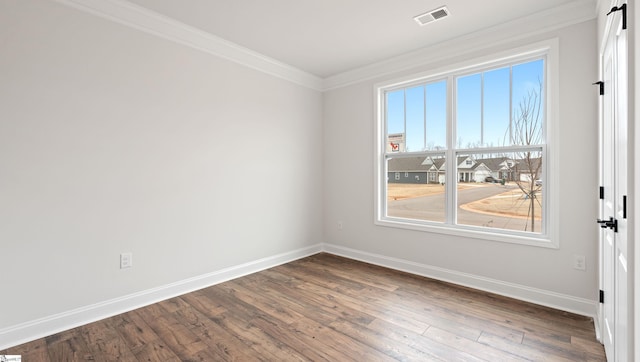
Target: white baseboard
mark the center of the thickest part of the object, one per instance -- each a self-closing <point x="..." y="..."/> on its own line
<point x="32" y="330"/>
<point x="29" y="331"/>
<point x="597" y="324"/>
<point x="554" y="300"/>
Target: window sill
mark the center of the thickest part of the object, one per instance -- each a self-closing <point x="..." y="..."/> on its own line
<point x="539" y="240"/>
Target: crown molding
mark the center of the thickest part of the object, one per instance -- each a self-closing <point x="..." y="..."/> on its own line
<point x="132" y="15"/>
<point x="150" y="22"/>
<point x="542" y="22"/>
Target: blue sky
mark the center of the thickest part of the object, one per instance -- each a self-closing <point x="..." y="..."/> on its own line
<point x="479" y="119"/>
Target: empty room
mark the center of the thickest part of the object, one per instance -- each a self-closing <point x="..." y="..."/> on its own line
<point x="292" y="180"/>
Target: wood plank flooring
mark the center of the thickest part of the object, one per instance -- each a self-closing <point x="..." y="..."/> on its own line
<point x="328" y="308"/>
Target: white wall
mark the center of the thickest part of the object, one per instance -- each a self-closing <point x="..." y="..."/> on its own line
<point x="114" y="140"/>
<point x="349" y="186"/>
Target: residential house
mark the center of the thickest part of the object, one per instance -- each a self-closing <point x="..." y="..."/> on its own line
<point x="415" y="170"/>
<point x="421" y="170"/>
<point x="500" y="168"/>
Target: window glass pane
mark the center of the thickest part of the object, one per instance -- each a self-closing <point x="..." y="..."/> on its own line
<point x="496" y="186"/>
<point x="415" y="119"/>
<point x="528" y="105"/>
<point x="503" y="191"/>
<point x="468" y="111"/>
<point x="437" y="116"/>
<point x="415" y="188"/>
<point x="395" y="111"/>
<point x="395" y="121"/>
<point x="496" y="107"/>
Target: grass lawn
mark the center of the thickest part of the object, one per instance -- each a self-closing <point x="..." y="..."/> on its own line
<point x="510" y="203"/>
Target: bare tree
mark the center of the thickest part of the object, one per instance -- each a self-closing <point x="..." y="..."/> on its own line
<point x="526" y="130"/>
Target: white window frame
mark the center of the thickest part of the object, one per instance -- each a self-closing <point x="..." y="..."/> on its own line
<point x="549" y="237"/>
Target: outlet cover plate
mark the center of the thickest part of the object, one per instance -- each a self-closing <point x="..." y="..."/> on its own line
<point x="126" y="260"/>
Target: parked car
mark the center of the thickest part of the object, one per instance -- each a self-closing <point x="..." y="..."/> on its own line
<point x="491" y="179"/>
<point x="538" y="182"/>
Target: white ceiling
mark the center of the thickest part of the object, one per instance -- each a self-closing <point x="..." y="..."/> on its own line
<point x="328" y="37"/>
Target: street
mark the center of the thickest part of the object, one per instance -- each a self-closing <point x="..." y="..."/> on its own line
<point x="432" y="208"/>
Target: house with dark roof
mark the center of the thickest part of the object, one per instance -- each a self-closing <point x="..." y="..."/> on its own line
<point x="500" y="168"/>
<point x="415" y="170"/>
<point x="423" y="170"/>
<point x="529" y="169"/>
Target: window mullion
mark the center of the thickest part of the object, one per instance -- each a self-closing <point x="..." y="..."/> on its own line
<point x="451" y="171"/>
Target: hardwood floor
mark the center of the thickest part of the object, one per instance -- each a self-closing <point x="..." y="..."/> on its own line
<point x="326" y="307"/>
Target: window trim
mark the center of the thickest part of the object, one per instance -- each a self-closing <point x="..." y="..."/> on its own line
<point x="549" y="238"/>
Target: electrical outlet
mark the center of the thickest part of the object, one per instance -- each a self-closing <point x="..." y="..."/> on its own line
<point x="126" y="260"/>
<point x="579" y="262"/>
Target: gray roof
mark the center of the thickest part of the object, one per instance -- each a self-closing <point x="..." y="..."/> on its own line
<point x="533" y="163"/>
<point x="414" y="164"/>
<point x="494" y="164"/>
<point x="423" y="164"/>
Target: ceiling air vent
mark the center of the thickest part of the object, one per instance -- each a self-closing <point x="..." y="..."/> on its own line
<point x="432" y="15"/>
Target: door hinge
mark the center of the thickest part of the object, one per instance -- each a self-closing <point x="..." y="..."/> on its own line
<point x="622" y="8"/>
<point x="601" y="296"/>
<point x="601" y="88"/>
<point x="624" y="206"/>
<point x="601" y="192"/>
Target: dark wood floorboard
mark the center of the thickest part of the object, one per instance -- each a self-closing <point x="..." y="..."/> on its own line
<point x="328" y="308"/>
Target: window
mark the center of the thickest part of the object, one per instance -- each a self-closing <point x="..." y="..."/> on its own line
<point x="480" y="135"/>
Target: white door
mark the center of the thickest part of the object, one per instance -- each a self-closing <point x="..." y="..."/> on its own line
<point x="621" y="150"/>
<point x="607" y="235"/>
<point x="613" y="218"/>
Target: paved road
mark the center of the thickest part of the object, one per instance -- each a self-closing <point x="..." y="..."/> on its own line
<point x="432" y="208"/>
